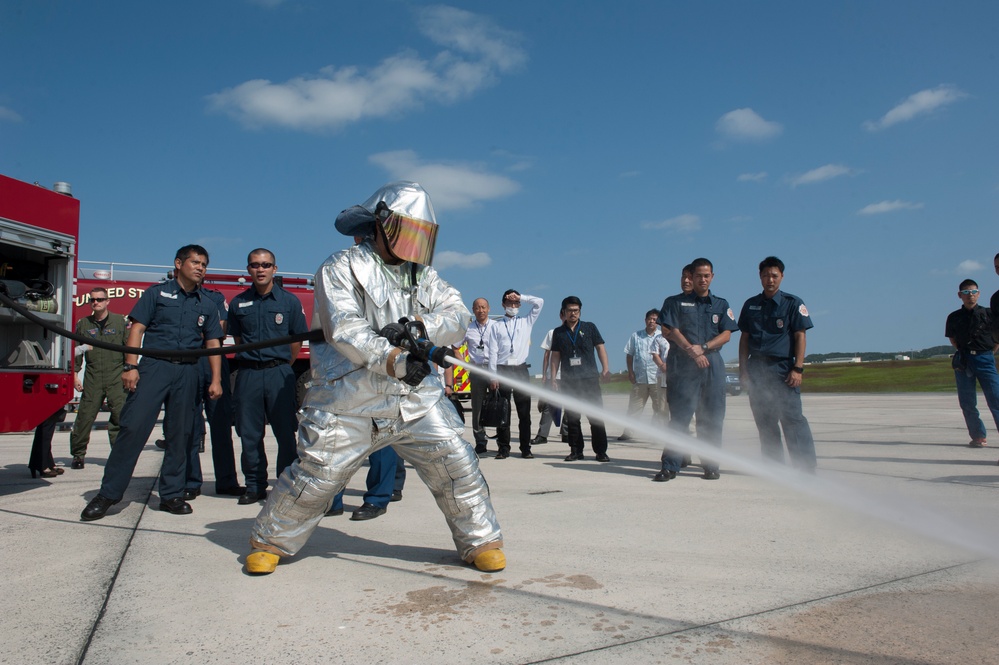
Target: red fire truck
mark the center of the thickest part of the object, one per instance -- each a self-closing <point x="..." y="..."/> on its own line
<point x="39" y="232"/>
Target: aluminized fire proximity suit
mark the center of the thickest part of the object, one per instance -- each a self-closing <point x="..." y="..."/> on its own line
<point x="354" y="406"/>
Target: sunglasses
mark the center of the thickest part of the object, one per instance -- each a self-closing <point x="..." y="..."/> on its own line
<point x="99" y="299"/>
<point x="266" y="265"/>
<point x="969" y="292"/>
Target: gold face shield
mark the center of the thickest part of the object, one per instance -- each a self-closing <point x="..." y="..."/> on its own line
<point x="408" y="238"/>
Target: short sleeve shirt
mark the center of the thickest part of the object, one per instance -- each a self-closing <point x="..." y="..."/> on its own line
<point x="255" y="318"/>
<point x="577" y="346"/>
<point x="770" y="323"/>
<point x="971" y="328"/>
<point x="176" y="319"/>
<point x="699" y="319"/>
<point x="641" y="347"/>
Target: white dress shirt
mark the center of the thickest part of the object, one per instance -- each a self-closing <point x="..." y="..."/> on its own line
<point x="477" y="341"/>
<point x="510" y="337"/>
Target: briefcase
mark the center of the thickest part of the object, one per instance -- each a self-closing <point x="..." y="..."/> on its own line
<point x="495" y="410"/>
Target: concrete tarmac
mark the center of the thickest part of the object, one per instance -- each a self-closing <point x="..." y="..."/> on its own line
<point x="604" y="566"/>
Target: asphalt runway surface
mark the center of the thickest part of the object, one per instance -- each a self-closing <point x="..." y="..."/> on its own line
<point x="604" y="566"/>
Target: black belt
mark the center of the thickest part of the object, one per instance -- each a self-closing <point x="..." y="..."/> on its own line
<point x="978" y="353"/>
<point x="183" y="361"/>
<point x="263" y="364"/>
<point x="770" y="359"/>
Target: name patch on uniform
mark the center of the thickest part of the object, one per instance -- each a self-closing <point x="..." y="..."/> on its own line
<point x="687" y="304"/>
<point x="754" y="307"/>
<point x="246" y="304"/>
<point x="172" y="296"/>
<point x="278" y="318"/>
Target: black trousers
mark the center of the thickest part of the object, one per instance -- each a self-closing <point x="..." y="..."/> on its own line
<point x="523" y="403"/>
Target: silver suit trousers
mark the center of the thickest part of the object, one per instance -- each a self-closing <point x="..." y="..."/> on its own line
<point x="332" y="447"/>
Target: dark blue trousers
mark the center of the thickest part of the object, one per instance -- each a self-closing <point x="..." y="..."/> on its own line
<point x="700" y="391"/>
<point x="777" y="406"/>
<point x="387" y="474"/>
<point x="218" y="413"/>
<point x="265" y="396"/>
<point x="161" y="383"/>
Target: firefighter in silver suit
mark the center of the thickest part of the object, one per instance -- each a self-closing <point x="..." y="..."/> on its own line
<point x="369" y="389"/>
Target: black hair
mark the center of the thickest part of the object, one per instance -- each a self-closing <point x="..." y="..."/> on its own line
<point x="187" y="250"/>
<point x="697" y="263"/>
<point x="260" y="250"/>
<point x="772" y="262"/>
<point x="651" y="312"/>
<point x="571" y="300"/>
<point x="968" y="282"/>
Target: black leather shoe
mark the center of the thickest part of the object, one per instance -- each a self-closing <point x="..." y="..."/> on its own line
<point x="176" y="506"/>
<point x="538" y="440"/>
<point x="192" y="493"/>
<point x="664" y="476"/>
<point x="97" y="508"/>
<point x="573" y="457"/>
<point x="711" y="475"/>
<point x="396" y="496"/>
<point x="502" y="455"/>
<point x="527" y="455"/>
<point x="77" y="463"/>
<point x="603" y="458"/>
<point x="368" y="511"/>
<point x="334" y="512"/>
<point x="480" y="449"/>
<point x="160" y="444"/>
<point x="624" y="437"/>
<point x="249" y="497"/>
<point x="235" y="490"/>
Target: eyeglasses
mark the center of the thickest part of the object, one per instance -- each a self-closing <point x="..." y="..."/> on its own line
<point x="969" y="292"/>
<point x="98" y="299"/>
<point x="572" y="310"/>
<point x="266" y="265"/>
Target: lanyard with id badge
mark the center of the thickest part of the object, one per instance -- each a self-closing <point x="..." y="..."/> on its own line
<point x="574" y="359"/>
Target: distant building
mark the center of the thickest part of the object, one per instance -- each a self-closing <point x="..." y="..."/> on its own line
<point x="844" y="359"/>
<point x="901" y="357"/>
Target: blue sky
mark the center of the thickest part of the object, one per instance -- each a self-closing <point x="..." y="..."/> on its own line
<point x="583" y="148"/>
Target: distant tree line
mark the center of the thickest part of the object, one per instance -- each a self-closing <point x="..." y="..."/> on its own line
<point x="868" y="356"/>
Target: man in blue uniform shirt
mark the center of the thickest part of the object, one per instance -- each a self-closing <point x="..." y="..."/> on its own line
<point x="699" y="324"/>
<point x="265" y="384"/>
<point x="172" y="316"/>
<point x="771" y="357"/>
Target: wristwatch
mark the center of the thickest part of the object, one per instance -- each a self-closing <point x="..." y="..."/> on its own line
<point x="128" y="368"/>
<point x="705" y="347"/>
<point x="798" y="370"/>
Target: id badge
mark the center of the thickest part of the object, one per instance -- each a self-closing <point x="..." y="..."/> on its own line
<point x="575" y="362"/>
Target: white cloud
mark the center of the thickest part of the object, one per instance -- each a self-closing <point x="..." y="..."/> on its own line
<point x="444" y="260"/>
<point x="9" y="115"/>
<point x="475" y="52"/>
<point x="451" y="185"/>
<point x="968" y="265"/>
<point x="888" y="206"/>
<point x="920" y="103"/>
<point x="684" y="223"/>
<point x="752" y="177"/>
<point x="827" y="172"/>
<point x="747" y="125"/>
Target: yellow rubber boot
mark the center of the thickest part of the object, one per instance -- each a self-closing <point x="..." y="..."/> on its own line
<point x="490" y="561"/>
<point x="259" y="562"/>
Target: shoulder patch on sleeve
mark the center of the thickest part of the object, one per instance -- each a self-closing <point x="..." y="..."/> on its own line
<point x="802" y="309"/>
<point x="731" y="314"/>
